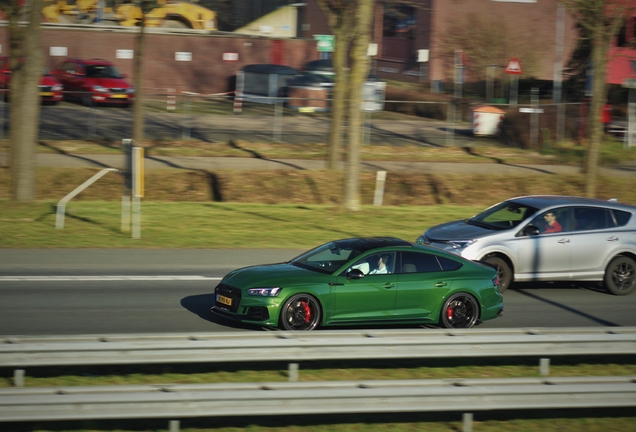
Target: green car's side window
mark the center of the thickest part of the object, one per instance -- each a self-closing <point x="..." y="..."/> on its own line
<point x="416" y="262"/>
<point x="379" y="263"/>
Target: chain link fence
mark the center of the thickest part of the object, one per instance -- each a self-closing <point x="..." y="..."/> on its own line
<point x="169" y="115"/>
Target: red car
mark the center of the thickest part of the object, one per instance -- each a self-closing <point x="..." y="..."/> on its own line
<point x="50" y="88"/>
<point x="94" y="81"/>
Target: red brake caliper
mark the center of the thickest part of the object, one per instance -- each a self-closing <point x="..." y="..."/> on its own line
<point x="449" y="313"/>
<point x="307" y="311"/>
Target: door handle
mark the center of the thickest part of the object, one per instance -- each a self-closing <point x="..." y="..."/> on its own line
<point x="440" y="284"/>
<point x="388" y="286"/>
<point x="564" y="241"/>
<point x="612" y="238"/>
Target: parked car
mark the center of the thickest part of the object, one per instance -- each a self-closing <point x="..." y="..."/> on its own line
<point x="49" y="87"/>
<point x="362" y="281"/>
<point x="94" y="81"/>
<point x="548" y="238"/>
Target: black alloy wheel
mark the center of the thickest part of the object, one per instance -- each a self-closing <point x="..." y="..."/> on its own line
<point x="504" y="272"/>
<point x="460" y="310"/>
<point x="300" y="312"/>
<point x="620" y="276"/>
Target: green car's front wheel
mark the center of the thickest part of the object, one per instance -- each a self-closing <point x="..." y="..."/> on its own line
<point x="460" y="311"/>
<point x="300" y="312"/>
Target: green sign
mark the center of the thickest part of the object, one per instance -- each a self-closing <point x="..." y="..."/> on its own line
<point x="325" y="43"/>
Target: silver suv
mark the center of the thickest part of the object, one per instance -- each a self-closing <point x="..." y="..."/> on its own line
<point x="548" y="238"/>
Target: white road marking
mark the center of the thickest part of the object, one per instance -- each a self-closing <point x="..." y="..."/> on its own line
<point x="103" y="278"/>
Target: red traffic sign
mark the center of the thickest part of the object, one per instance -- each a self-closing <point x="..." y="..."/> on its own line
<point x="513" y="67"/>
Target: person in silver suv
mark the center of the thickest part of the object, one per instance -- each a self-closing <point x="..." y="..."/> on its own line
<point x="548" y="238"/>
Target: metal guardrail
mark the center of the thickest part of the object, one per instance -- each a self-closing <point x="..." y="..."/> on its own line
<point x="333" y="397"/>
<point x="22" y="351"/>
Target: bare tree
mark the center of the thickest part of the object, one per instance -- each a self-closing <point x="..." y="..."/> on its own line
<point x="350" y="22"/>
<point x="602" y="20"/>
<point x="340" y="16"/>
<point x="487" y="40"/>
<point x="359" y="73"/>
<point x="26" y="66"/>
<point x="138" y="113"/>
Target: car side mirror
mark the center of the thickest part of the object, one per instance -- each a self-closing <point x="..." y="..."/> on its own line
<point x="531" y="230"/>
<point x="355" y="274"/>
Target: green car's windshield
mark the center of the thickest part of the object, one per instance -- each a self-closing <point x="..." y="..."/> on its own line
<point x="502" y="216"/>
<point x="326" y="258"/>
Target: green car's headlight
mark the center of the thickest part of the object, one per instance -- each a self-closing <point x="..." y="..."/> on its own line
<point x="264" y="292"/>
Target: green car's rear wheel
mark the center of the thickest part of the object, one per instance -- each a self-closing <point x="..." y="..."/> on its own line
<point x="459" y="311"/>
<point x="300" y="312"/>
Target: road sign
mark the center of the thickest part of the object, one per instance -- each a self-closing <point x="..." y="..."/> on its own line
<point x="324" y="43"/>
<point x="513" y="67"/>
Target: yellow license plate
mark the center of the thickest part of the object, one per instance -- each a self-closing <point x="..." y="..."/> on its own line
<point x="224" y="300"/>
<point x="46" y="93"/>
<point x="118" y="96"/>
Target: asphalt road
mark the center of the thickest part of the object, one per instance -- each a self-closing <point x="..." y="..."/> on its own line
<point x="140" y="291"/>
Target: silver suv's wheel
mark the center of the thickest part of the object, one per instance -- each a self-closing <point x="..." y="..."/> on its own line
<point x="620" y="276"/>
<point x="504" y="272"/>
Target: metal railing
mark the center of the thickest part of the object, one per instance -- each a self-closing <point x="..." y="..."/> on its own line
<point x="333" y="397"/>
<point x="183" y="116"/>
<point x="60" y="211"/>
<point x="23" y="351"/>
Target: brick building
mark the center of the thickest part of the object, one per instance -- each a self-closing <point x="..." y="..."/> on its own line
<point x="206" y="63"/>
<point x="528" y="30"/>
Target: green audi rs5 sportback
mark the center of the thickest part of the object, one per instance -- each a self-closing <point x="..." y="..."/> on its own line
<point x="362" y="281"/>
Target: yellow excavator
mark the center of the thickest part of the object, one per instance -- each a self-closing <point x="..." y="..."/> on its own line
<point x="167" y="13"/>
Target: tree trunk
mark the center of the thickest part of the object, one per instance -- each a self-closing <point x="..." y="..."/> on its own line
<point x="359" y="72"/>
<point x="138" y="114"/>
<point x="340" y="96"/>
<point x="600" y="48"/>
<point x="25" y="101"/>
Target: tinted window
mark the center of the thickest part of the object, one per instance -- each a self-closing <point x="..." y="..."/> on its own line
<point x="621" y="217"/>
<point x="449" y="264"/>
<point x="415" y="262"/>
<point x="590" y="218"/>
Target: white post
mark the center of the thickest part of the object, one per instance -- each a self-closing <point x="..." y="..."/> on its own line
<point x="379" y="188"/>
<point x="61" y="205"/>
<point x="125" y="213"/>
<point x="293" y="372"/>
<point x="136" y="217"/>
<point x="467" y="420"/>
<point x="18" y="378"/>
